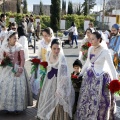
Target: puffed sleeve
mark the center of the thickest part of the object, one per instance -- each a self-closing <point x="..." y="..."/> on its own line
<point x="109" y="60"/>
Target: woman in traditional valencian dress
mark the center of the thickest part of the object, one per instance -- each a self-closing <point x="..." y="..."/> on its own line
<point x="15" y="94"/>
<point x="84" y="41"/>
<point x="57" y="94"/>
<point x="44" y="46"/>
<point x="96" y="102"/>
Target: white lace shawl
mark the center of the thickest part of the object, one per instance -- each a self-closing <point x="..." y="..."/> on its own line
<point x="65" y="89"/>
<point x="64" y="94"/>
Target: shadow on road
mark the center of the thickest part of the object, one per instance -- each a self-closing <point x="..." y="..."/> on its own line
<point x="71" y="56"/>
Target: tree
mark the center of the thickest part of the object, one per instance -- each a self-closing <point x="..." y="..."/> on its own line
<point x="63" y="7"/>
<point x="41" y="8"/>
<point x="55" y="15"/>
<point x="24" y="6"/>
<point x="79" y="10"/>
<point x="87" y="6"/>
<point x="70" y="8"/>
<point x="18" y="6"/>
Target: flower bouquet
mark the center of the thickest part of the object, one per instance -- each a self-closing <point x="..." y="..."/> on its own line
<point x="84" y="50"/>
<point x="35" y="63"/>
<point x="7" y="62"/>
<point x="74" y="76"/>
<point x="114" y="87"/>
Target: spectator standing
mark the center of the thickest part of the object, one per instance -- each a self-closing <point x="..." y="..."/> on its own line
<point x="91" y="26"/>
<point x="73" y="30"/>
<point x="38" y="30"/>
<point x="30" y="30"/>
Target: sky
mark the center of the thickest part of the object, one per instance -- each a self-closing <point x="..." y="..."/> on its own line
<point x="31" y="2"/>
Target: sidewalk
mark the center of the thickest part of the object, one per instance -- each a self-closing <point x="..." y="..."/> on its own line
<point x="28" y="114"/>
<point x="31" y="50"/>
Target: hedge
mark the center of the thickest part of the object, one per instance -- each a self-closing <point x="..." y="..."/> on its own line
<point x="45" y="20"/>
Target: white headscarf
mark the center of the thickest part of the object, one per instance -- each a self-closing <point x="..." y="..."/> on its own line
<point x="64" y="94"/>
<point x="103" y="43"/>
<point x="51" y="32"/>
<point x="7" y="37"/>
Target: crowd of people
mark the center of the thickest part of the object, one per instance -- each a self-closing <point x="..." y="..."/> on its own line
<point x="82" y="96"/>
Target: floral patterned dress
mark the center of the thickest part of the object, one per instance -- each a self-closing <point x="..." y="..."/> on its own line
<point x="96" y="101"/>
<point x="15" y="93"/>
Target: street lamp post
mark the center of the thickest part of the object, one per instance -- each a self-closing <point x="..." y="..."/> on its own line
<point x="88" y="3"/>
<point x="116" y="7"/>
<point x="22" y="6"/>
<point x="103" y="14"/>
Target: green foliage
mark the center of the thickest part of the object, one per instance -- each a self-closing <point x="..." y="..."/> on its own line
<point x="45" y="21"/>
<point x="78" y="19"/>
<point x="63" y="7"/>
<point x="59" y="34"/>
<point x="70" y="8"/>
<point x="18" y="18"/>
<point x="18" y="6"/>
<point x="87" y="6"/>
<point x="79" y="10"/>
<point x="41" y="8"/>
<point x="25" y="7"/>
<point x="55" y="15"/>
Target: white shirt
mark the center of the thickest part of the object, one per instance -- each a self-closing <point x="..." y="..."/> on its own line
<point x="24" y="42"/>
<point x="100" y="61"/>
<point x="107" y="34"/>
<point x="73" y="29"/>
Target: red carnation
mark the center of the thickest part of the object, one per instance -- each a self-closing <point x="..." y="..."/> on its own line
<point x="89" y="44"/>
<point x="2" y="63"/>
<point x="114" y="86"/>
<point x="74" y="76"/>
<point x="35" y="60"/>
<point x="45" y="64"/>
